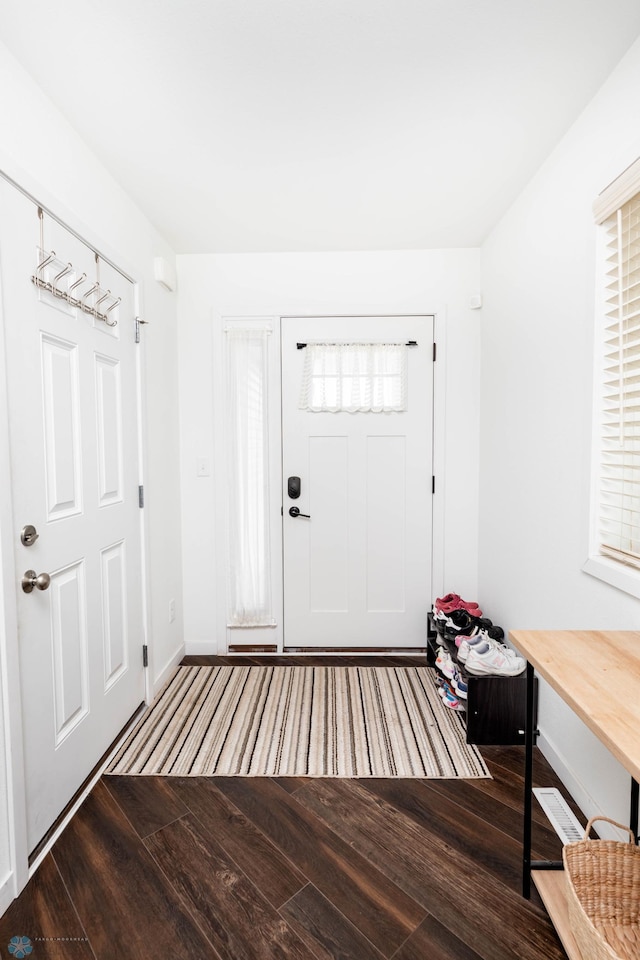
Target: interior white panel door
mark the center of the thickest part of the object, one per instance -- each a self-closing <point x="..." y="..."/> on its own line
<point x="357" y="572"/>
<point x="72" y="387"/>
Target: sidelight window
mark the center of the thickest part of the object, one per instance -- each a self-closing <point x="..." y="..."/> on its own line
<point x="248" y="459"/>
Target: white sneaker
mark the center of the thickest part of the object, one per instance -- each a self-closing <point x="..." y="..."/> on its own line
<point x="467" y="643"/>
<point x="482" y="636"/>
<point x="491" y="659"/>
<point x="508" y="652"/>
<point x="445" y="664"/>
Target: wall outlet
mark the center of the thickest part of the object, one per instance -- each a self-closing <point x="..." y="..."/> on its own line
<point x="203" y="467"/>
<point x="172" y="610"/>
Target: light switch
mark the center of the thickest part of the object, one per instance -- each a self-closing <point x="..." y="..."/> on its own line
<point x="203" y="467"/>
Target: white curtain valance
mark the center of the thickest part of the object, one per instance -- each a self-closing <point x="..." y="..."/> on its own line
<point x="354" y="378"/>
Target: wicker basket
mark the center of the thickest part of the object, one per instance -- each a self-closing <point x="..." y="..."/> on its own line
<point x="603" y="895"/>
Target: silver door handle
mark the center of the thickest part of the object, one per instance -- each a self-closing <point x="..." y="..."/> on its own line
<point x="32" y="579"/>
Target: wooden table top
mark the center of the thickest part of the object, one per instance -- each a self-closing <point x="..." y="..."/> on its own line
<point x="597" y="673"/>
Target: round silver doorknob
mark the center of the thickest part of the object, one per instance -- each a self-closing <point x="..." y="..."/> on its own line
<point x="32" y="579"/>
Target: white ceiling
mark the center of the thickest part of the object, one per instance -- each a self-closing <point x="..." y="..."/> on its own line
<point x="265" y="125"/>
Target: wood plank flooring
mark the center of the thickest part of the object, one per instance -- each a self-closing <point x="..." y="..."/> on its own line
<point x="293" y="869"/>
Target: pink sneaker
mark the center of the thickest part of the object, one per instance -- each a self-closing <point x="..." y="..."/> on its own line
<point x="452" y="602"/>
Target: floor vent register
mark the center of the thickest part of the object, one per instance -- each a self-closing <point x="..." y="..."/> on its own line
<point x="560" y="816"/>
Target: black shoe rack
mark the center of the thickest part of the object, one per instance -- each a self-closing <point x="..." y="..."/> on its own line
<point x="496" y="706"/>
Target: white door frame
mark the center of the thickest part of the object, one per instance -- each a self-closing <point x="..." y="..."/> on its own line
<point x="11" y="728"/>
<point x="250" y="636"/>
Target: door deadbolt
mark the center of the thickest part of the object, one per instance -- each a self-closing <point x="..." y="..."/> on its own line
<point x="29" y="535"/>
<point x="293" y="487"/>
<point x="32" y="579"/>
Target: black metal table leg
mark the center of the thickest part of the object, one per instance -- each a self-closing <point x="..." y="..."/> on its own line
<point x="635" y="807"/>
<point x="529" y="737"/>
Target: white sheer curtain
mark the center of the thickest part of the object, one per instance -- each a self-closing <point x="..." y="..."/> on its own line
<point x="354" y="378"/>
<point x="248" y="479"/>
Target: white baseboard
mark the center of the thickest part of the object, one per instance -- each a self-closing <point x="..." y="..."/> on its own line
<point x="7" y="893"/>
<point x="199" y="649"/>
<point x="576" y="788"/>
<point x="168" y="670"/>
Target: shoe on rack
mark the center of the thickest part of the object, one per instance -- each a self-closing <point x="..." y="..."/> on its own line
<point x="461" y="621"/>
<point x="459" y="685"/>
<point x="444" y="663"/>
<point x="452" y="601"/>
<point x="490" y="636"/>
<point x="450" y="700"/>
<point x="492" y="659"/>
<point x="466" y="643"/>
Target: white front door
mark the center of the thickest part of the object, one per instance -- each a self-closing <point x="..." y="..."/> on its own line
<point x="357" y="570"/>
<point x="72" y="388"/>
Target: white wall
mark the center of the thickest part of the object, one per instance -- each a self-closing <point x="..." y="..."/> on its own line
<point x="248" y="285"/>
<point x="539" y="283"/>
<point x="40" y="151"/>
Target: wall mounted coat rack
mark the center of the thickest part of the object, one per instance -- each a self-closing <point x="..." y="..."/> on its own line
<point x="96" y="301"/>
<point x="50" y="276"/>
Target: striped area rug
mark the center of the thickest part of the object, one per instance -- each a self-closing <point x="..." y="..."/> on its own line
<point x="255" y="721"/>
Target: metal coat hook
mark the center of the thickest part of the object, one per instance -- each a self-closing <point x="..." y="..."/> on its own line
<point x="86" y="295"/>
<point x="78" y="282"/>
<point x="112" y="323"/>
<point x="50" y="257"/>
<point x="105" y="296"/>
<point x="59" y="276"/>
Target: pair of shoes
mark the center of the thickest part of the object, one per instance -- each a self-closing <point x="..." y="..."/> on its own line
<point x="493" y="636"/>
<point x="459" y="685"/>
<point x="452" y="601"/>
<point x="465" y="644"/>
<point x="461" y="623"/>
<point x="450" y="699"/>
<point x="483" y="627"/>
<point x="484" y="656"/>
<point x="449" y="669"/>
<point x="455" y="620"/>
<point x="444" y="663"/>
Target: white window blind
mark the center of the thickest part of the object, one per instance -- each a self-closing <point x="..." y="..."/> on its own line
<point x="619" y="482"/>
<point x="354" y="378"/>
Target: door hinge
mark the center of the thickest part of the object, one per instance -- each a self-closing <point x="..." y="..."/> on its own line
<point x="433" y="484"/>
<point x="145" y="656"/>
<point x="435" y="350"/>
<point x="141" y="496"/>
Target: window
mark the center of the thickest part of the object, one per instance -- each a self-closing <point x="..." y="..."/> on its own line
<point x="617" y="505"/>
<point x="354" y="378"/>
<point x="248" y="472"/>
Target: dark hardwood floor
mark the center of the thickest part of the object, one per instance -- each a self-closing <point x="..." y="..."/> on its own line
<point x="293" y="869"/>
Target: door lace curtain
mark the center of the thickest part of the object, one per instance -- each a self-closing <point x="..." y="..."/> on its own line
<point x="248" y="477"/>
<point x="354" y="378"/>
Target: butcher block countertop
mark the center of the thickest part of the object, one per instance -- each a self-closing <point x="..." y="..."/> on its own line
<point x="597" y="673"/>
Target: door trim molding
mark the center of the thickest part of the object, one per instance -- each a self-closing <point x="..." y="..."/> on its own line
<point x="439" y="452"/>
<point x="10" y="695"/>
<point x="224" y="636"/>
<point x="221" y="638"/>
